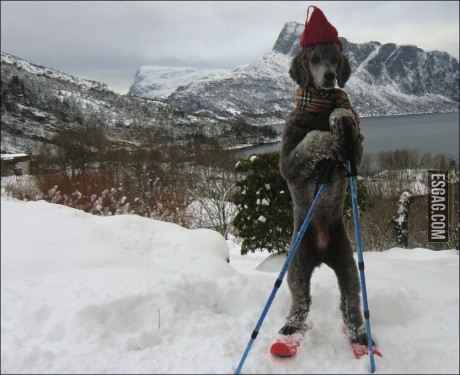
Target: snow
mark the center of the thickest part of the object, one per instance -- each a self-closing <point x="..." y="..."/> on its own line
<point x="262" y="219"/>
<point x="159" y="82"/>
<point x="52" y="73"/>
<point x="263" y="202"/>
<point x="13" y="156"/>
<point x="86" y="104"/>
<point x="126" y="294"/>
<point x="373" y="54"/>
<point x="414" y="181"/>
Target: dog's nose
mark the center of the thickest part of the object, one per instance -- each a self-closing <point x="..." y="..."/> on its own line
<point x="329" y="76"/>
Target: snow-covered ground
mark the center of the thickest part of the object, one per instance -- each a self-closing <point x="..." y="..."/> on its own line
<point x="125" y="294"/>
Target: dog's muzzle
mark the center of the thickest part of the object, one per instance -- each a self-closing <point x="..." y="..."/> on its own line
<point x="329" y="80"/>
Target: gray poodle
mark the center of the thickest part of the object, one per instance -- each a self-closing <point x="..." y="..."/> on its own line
<point x="309" y="139"/>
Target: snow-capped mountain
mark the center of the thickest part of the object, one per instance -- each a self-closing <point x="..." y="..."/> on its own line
<point x="155" y="82"/>
<point x="38" y="102"/>
<point x="386" y="79"/>
<point x="256" y="93"/>
<point x="52" y="73"/>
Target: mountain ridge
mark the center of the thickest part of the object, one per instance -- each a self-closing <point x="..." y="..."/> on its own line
<point x="39" y="102"/>
<point x="387" y="79"/>
<point x="227" y="107"/>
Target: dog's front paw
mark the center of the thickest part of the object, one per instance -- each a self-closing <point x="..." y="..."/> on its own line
<point x="289" y="329"/>
<point x="341" y="121"/>
<point x="337" y="151"/>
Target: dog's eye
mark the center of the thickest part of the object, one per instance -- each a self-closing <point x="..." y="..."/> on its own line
<point x="334" y="60"/>
<point x="314" y="60"/>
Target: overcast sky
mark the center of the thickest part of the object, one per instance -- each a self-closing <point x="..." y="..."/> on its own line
<point x="108" y="41"/>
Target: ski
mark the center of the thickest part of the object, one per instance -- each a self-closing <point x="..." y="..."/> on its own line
<point x="360" y="350"/>
<point x="286" y="345"/>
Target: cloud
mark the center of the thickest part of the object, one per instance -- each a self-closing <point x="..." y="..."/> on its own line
<point x="109" y="40"/>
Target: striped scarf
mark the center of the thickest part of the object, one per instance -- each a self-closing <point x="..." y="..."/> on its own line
<point x="313" y="100"/>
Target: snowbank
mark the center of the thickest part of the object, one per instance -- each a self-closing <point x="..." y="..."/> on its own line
<point x="125" y="294"/>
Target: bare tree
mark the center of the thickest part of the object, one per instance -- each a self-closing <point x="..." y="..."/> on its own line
<point x="77" y="148"/>
<point x="214" y="183"/>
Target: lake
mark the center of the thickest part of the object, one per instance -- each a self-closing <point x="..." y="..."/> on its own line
<point x="435" y="133"/>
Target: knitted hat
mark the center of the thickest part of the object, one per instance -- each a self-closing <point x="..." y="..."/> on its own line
<point x="318" y="30"/>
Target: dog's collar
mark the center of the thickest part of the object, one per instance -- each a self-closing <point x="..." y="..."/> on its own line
<point x="313" y="100"/>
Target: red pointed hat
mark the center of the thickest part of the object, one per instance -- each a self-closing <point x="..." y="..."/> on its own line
<point x="318" y="30"/>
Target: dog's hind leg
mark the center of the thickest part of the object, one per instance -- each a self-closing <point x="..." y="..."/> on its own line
<point x="348" y="279"/>
<point x="298" y="277"/>
<point x="339" y="256"/>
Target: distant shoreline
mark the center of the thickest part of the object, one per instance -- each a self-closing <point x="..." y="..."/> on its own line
<point x="440" y="138"/>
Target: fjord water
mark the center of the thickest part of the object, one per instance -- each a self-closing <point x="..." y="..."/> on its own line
<point x="434" y="132"/>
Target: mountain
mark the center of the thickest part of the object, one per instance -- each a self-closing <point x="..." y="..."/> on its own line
<point x="159" y="82"/>
<point x="38" y="102"/>
<point x="387" y="79"/>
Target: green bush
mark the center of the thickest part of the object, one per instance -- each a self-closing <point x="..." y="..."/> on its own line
<point x="364" y="200"/>
<point x="264" y="219"/>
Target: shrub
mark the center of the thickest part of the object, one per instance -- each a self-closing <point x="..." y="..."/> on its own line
<point x="264" y="220"/>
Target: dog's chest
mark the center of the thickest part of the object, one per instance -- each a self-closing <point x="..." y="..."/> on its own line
<point x="319" y="121"/>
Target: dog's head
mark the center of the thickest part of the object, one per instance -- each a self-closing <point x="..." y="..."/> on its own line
<point x="320" y="66"/>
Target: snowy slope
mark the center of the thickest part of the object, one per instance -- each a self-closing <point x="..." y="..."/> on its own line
<point x="52" y="73"/>
<point x="39" y="102"/>
<point x="125" y="294"/>
<point x="159" y="82"/>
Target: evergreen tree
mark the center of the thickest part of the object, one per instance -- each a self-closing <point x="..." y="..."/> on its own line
<point x="401" y="222"/>
<point x="264" y="220"/>
<point x="364" y="200"/>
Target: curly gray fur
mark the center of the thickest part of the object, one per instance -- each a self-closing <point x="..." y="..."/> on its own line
<point x="308" y="140"/>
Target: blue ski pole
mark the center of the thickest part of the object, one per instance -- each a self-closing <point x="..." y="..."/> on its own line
<point x="323" y="180"/>
<point x="352" y="173"/>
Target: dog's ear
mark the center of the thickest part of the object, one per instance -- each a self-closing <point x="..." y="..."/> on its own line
<point x="343" y="71"/>
<point x="298" y="71"/>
